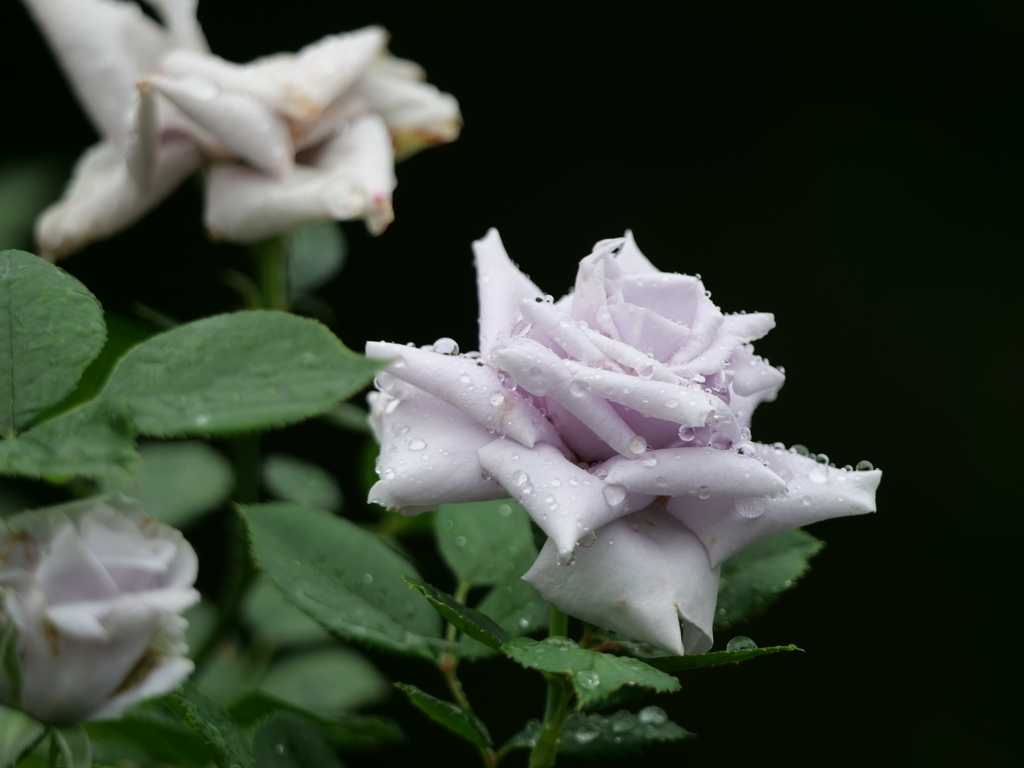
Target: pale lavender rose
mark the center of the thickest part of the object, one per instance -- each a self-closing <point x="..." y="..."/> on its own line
<point x="619" y="417"/>
<point x="91" y="596"/>
<point x="291" y="138"/>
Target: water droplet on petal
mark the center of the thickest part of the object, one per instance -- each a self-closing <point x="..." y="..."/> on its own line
<point x="417" y="444"/>
<point x="496" y="398"/>
<point x="864" y="466"/>
<point x="650" y="461"/>
<point x="704" y="492"/>
<point x="614" y="494"/>
<point x="720" y="442"/>
<point x="579" y="388"/>
<point x="686" y="434"/>
<point x="646" y="372"/>
<point x="446" y="346"/>
<point x="389" y="473"/>
<point x="637" y="444"/>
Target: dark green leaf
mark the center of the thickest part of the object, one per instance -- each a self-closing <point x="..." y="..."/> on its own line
<point x="516" y="607"/>
<point x="179" y="482"/>
<point x="343" y="576"/>
<point x="95" y="440"/>
<point x="234" y="373"/>
<point x="753" y="578"/>
<point x="230" y="673"/>
<point x="18" y="734"/>
<point x="51" y="327"/>
<point x="348" y="416"/>
<point x="287" y="740"/>
<point x="326" y="681"/>
<point x="697" y="660"/>
<point x="149" y="732"/>
<point x="485" y="542"/>
<point x="291" y="479"/>
<point x="73" y="743"/>
<point x="604" y="736"/>
<point x="346" y="731"/>
<point x="12" y="500"/>
<point x="276" y="622"/>
<point x="594" y="676"/>
<point x="473" y="623"/>
<point x="10" y="665"/>
<point x="220" y="733"/>
<point x="316" y="253"/>
<point x="451" y="716"/>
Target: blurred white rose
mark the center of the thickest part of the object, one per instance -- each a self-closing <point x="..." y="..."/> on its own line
<point x="291" y="138"/>
<point x="91" y="596"/>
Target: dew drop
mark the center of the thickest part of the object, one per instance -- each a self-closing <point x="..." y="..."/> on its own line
<point x="741" y="643"/>
<point x="446" y="346"/>
<point x="579" y="388"/>
<point x="864" y="466"/>
<point x="504" y="510"/>
<point x="588" y="679"/>
<point x="686" y="434"/>
<point x="646" y="372"/>
<point x="520" y="478"/>
<point x="800" y="449"/>
<point x="817" y="476"/>
<point x="661" y="482"/>
<point x="464" y="377"/>
<point x="573" y="482"/>
<point x="704" y="492"/>
<point x="448" y="524"/>
<point x="650" y="461"/>
<point x="805" y="501"/>
<point x="367" y="578"/>
<point x="460" y="541"/>
<point x="671" y="403"/>
<point x="614" y="494"/>
<point x="389" y="473"/>
<point x="417" y="444"/>
<point x="720" y="442"/>
<point x="496" y="398"/>
<point x="637" y="444"/>
<point x="523" y="623"/>
<point x="652" y="716"/>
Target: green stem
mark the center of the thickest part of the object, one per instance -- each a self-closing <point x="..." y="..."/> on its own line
<point x="546" y="749"/>
<point x="272" y="264"/>
<point x="448" y="662"/>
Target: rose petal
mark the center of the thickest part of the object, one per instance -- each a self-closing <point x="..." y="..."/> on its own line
<point x="469" y="385"/>
<point x="102" y="198"/>
<point x="675" y="297"/>
<point x="71" y="573"/>
<point x="672" y="402"/>
<point x="104" y="47"/>
<point x="645" y="572"/>
<point x="539" y="371"/>
<point x="352" y="176"/>
<point x="630" y="357"/>
<point x="500" y="286"/>
<point x="733" y="331"/>
<point x="576" y="435"/>
<point x="418" y="114"/>
<point x="816" y="492"/>
<point x="563" y="331"/>
<point x="143" y="144"/>
<point x="429" y="457"/>
<point x="240" y="121"/>
<point x="628" y="260"/>
<point x="179" y="16"/>
<point x="753" y="373"/>
<point x="168" y="674"/>
<point x="567" y="502"/>
<point x="646" y="330"/>
<point x="692" y="471"/>
<point x="590" y="296"/>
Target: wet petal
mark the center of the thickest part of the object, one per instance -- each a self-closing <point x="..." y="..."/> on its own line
<point x="753" y="373"/>
<point x="646" y="330"/>
<point x="816" y="492"/>
<point x="731" y="333"/>
<point x="695" y="471"/>
<point x="470" y="386"/>
<point x="500" y="286"/>
<point x="567" y="502"/>
<point x="644" y="574"/>
<point x="563" y="331"/>
<point x="429" y="456"/>
<point x="179" y="16"/>
<point x="628" y="260"/>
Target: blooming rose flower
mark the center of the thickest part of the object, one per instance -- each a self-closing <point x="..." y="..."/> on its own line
<point x="619" y="417"/>
<point x="93" y="593"/>
<point x="292" y="138"/>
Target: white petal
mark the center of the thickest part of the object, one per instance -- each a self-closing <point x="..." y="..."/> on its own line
<point x="470" y="386"/>
<point x="692" y="471"/>
<point x="71" y="573"/>
<point x="707" y="319"/>
<point x="629" y="260"/>
<point x="351" y="177"/>
<point x="240" y="121"/>
<point x="167" y="675"/>
<point x="429" y="457"/>
<point x="180" y="18"/>
<point x="500" y="286"/>
<point x="104" y="47"/>
<point x="102" y="198"/>
<point x="645" y="573"/>
<point x="630" y="357"/>
<point x="418" y="114"/>
<point x="563" y="331"/>
<point x="816" y="492"/>
<point x="567" y="502"/>
<point x="753" y="373"/>
<point x="672" y="402"/>
<point x="646" y="330"/>
<point x="731" y="333"/>
<point x="539" y="371"/>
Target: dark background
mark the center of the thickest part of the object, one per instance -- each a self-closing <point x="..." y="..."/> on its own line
<point x="854" y="168"/>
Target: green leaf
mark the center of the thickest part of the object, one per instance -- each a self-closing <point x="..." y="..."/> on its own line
<point x="752" y="579"/>
<point x="276" y="622"/>
<point x="604" y="736"/>
<point x="327" y="681"/>
<point x="230" y="673"/>
<point x="343" y="576"/>
<point x="18" y="734"/>
<point x="95" y="440"/>
<point x="316" y="253"/>
<point x="348" y="416"/>
<point x="178" y="482"/>
<point x="347" y="731"/>
<point x="202" y="622"/>
<point x="451" y="716"/>
<point x="147" y="733"/>
<point x="516" y="607"/>
<point x="73" y="743"/>
<point x="291" y="479"/>
<point x="594" y="676"/>
<point x="473" y="623"/>
<point x="234" y="373"/>
<point x="10" y="665"/>
<point x="287" y="740"/>
<point x="51" y="327"/>
<point x="698" y="660"/>
<point x="485" y="542"/>
<point x="214" y="726"/>
<point x="26" y="188"/>
<point x="12" y="500"/>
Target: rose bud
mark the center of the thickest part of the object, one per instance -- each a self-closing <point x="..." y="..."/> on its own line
<point x="91" y="596"/>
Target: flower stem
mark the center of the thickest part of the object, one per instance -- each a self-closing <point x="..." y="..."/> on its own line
<point x="546" y="749"/>
<point x="272" y="264"/>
